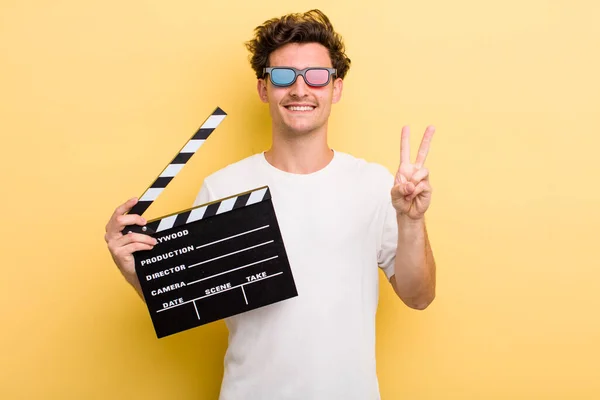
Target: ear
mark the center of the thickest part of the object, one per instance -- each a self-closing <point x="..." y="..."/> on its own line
<point x="338" y="85"/>
<point x="261" y="87"/>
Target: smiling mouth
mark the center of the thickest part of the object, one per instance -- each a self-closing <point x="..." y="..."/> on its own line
<point x="300" y="108"/>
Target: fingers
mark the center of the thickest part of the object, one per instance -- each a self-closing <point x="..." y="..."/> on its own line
<point x="123" y="220"/>
<point x="405" y="145"/>
<point x="135" y="238"/>
<point x="421" y="188"/>
<point x="119" y="220"/>
<point x="137" y="246"/>
<point x="417" y="185"/>
<point x="125" y="207"/>
<point x="420" y="175"/>
<point x="118" y="223"/>
<point x="400" y="179"/>
<point x="123" y="256"/>
<point x="404" y="189"/>
<point x="407" y="187"/>
<point x="424" y="147"/>
<point x="123" y="247"/>
<point x="127" y="244"/>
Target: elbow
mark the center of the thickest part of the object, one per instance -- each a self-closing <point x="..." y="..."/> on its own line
<point x="420" y="303"/>
<point x="417" y="300"/>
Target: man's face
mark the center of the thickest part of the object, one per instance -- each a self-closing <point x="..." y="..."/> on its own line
<point x="300" y="108"/>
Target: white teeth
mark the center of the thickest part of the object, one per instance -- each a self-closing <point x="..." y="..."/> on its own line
<point x="301" y="108"/>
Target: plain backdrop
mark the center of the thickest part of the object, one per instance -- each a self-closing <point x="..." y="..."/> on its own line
<point x="96" y="97"/>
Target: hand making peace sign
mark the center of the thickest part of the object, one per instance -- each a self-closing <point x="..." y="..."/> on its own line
<point x="411" y="194"/>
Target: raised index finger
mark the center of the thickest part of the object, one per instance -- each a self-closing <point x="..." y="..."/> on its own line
<point x="424" y="147"/>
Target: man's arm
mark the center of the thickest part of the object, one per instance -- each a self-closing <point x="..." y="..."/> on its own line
<point x="135" y="282"/>
<point x="414" y="268"/>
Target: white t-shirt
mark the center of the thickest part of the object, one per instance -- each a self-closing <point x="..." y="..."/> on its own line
<point x="338" y="226"/>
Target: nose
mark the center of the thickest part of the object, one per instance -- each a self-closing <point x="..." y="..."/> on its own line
<point x="299" y="88"/>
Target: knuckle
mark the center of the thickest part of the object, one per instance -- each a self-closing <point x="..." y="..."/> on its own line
<point x="113" y="247"/>
<point x="115" y="251"/>
<point x="121" y="252"/>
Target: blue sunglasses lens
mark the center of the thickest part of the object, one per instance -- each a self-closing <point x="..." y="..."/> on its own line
<point x="282" y="76"/>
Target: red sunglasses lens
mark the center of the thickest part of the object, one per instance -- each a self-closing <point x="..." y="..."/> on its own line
<point x="317" y="76"/>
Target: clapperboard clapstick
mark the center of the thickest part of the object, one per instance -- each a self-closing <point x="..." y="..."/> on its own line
<point x="214" y="260"/>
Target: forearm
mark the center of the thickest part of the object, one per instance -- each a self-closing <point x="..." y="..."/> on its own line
<point x="135" y="283"/>
<point x="414" y="267"/>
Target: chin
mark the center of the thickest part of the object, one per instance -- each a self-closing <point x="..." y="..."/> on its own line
<point x="300" y="127"/>
<point x="300" y="130"/>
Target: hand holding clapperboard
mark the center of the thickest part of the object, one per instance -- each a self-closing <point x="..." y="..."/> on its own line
<point x="211" y="261"/>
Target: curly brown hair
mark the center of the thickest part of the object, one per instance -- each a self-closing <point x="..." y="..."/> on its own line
<point x="310" y="27"/>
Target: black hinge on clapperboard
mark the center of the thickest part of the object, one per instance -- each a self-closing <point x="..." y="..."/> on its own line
<point x="212" y="261"/>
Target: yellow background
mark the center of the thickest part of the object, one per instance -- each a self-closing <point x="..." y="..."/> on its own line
<point x="97" y="96"/>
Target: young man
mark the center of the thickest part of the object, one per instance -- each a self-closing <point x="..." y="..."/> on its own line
<point x="340" y="218"/>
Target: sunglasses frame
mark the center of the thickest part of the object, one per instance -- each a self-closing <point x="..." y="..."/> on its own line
<point x="300" y="72"/>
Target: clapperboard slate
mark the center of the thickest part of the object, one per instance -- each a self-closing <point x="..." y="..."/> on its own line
<point x="214" y="260"/>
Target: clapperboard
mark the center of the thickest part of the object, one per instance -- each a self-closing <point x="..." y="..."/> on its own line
<point x="214" y="260"/>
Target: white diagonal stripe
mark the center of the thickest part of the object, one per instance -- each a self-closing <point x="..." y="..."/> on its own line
<point x="196" y="308"/>
<point x="231" y="270"/>
<point x="171" y="170"/>
<point x="231" y="237"/>
<point x="192" y="146"/>
<point x="229" y="254"/>
<point x="213" y="121"/>
<point x="256" y="197"/>
<point x="166" y="223"/>
<point x="226" y="205"/>
<point x="151" y="194"/>
<point x="196" y="214"/>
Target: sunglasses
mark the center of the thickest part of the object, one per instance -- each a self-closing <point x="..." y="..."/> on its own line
<point x="286" y="76"/>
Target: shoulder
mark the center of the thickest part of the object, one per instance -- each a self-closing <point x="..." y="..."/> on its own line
<point x="245" y="165"/>
<point x="236" y="177"/>
<point x="367" y="171"/>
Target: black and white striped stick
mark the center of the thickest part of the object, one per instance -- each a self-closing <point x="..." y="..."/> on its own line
<point x="177" y="164"/>
<point x="208" y="210"/>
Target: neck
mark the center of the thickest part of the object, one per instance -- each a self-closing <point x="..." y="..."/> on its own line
<point x="300" y="154"/>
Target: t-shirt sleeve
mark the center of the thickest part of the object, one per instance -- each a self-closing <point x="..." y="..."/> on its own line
<point x="204" y="195"/>
<point x="388" y="225"/>
<point x="386" y="253"/>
